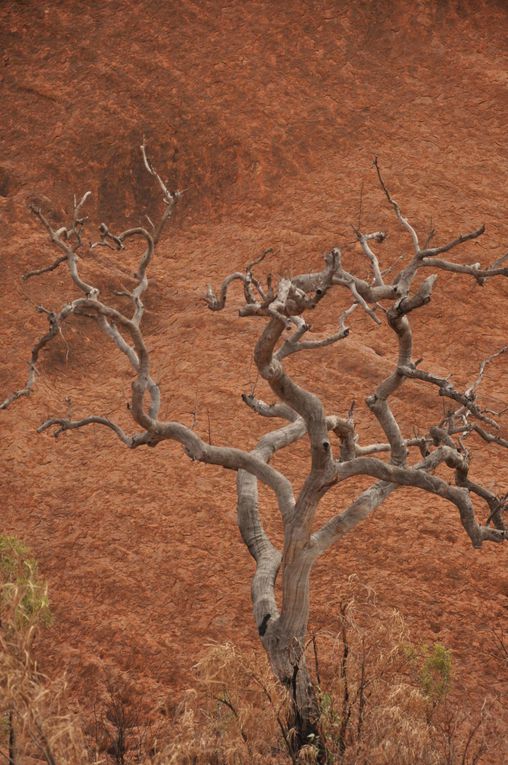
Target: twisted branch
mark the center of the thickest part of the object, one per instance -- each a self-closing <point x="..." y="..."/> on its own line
<point x="284" y="304"/>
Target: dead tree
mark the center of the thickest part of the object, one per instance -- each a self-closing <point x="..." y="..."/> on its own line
<point x="336" y="452"/>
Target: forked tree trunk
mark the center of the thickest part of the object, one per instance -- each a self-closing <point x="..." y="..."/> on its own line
<point x="284" y="641"/>
<point x="284" y="304"/>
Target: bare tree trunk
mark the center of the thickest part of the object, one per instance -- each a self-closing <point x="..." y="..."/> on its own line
<point x="289" y="665"/>
<point x="284" y="302"/>
<point x="284" y="641"/>
<point x="282" y="632"/>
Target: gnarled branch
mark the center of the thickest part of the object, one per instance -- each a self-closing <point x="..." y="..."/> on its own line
<point x="283" y="304"/>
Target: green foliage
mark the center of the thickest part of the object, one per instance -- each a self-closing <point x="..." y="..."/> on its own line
<point x="433" y="665"/>
<point x="436" y="671"/>
<point x="23" y="594"/>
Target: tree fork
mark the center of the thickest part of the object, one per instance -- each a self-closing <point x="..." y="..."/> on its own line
<point x="283" y="305"/>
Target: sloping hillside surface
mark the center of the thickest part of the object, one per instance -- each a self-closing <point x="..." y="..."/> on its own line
<point x="268" y="114"/>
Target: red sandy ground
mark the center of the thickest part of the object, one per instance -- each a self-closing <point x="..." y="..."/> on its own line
<point x="268" y="114"/>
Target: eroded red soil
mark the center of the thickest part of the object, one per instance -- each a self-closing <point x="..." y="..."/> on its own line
<point x="268" y="114"/>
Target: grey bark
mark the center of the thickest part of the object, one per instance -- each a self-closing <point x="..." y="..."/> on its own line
<point x="335" y="452"/>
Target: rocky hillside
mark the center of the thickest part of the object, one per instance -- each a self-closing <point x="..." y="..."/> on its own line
<point x="268" y="115"/>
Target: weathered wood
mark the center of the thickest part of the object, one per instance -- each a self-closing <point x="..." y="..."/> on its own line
<point x="282" y="623"/>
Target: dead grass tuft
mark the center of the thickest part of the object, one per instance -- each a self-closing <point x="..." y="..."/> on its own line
<point x="383" y="701"/>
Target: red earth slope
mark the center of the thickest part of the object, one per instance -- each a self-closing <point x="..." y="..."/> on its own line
<point x="268" y="114"/>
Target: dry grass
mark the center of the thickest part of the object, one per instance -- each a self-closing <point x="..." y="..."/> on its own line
<point x="384" y="699"/>
<point x="37" y="724"/>
<point x="383" y="702"/>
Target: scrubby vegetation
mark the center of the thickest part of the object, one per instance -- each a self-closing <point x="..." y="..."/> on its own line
<point x="37" y="724"/>
<point x="383" y="699"/>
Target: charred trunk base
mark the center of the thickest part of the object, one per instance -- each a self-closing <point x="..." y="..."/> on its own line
<point x="304" y="714"/>
<point x="303" y="722"/>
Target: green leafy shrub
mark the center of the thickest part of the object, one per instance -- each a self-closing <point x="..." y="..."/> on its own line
<point x="436" y="671"/>
<point x="431" y="666"/>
